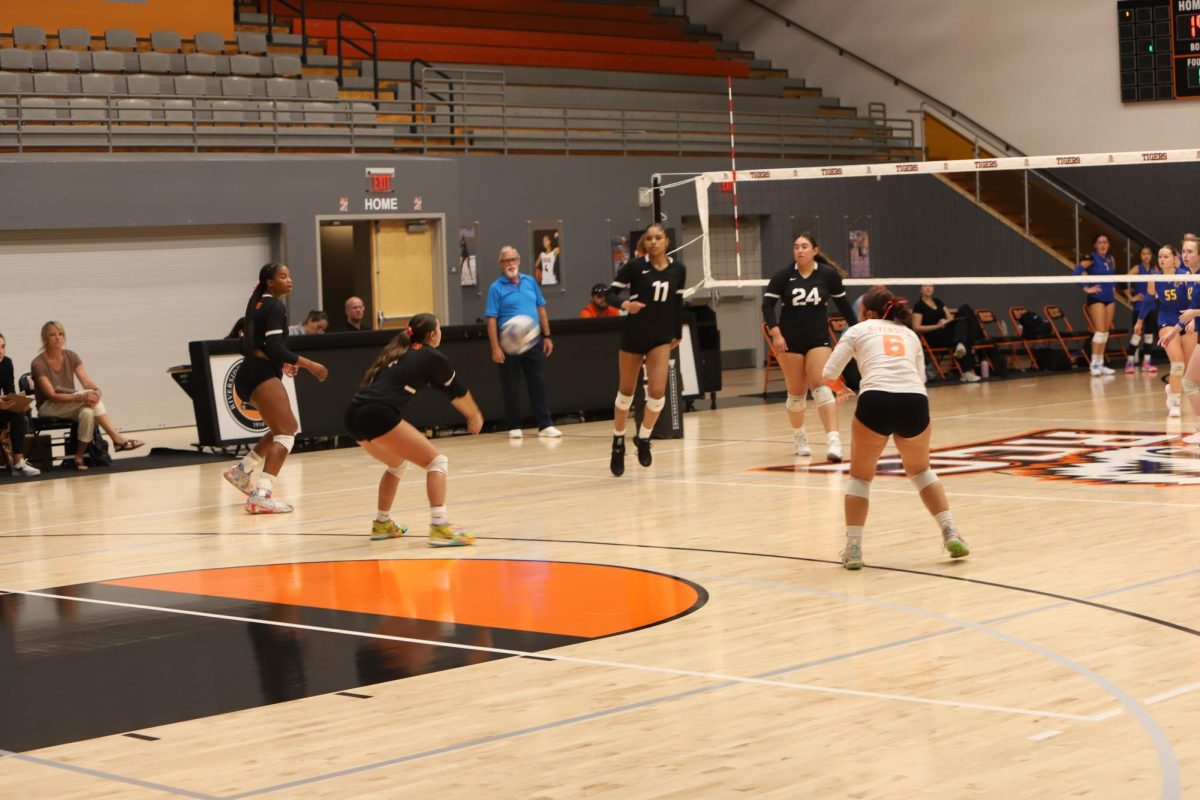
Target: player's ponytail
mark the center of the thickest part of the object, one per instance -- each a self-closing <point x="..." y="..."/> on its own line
<point x="419" y="327"/>
<point x="248" y="333"/>
<point x="886" y="305"/>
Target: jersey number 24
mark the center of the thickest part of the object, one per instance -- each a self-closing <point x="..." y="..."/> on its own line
<point x="812" y="298"/>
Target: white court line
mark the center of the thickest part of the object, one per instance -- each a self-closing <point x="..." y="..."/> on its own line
<point x="1158" y="698"/>
<point x="593" y="662"/>
<point x="1037" y="737"/>
<point x="1035" y="406"/>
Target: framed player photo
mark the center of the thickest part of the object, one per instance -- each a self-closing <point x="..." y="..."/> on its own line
<point x="860" y="254"/>
<point x="468" y="274"/>
<point x="545" y="251"/>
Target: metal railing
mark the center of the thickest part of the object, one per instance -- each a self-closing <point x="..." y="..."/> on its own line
<point x="302" y="10"/>
<point x="373" y="53"/>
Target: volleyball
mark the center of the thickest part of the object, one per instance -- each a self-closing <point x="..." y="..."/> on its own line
<point x="518" y="334"/>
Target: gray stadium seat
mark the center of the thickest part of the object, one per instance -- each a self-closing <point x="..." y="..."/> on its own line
<point x="210" y="43"/>
<point x="191" y="85"/>
<point x="166" y="41"/>
<point x="13" y="59"/>
<point x="285" y="66"/>
<point x="62" y="60"/>
<point x="135" y="110"/>
<point x="237" y="87"/>
<point x="181" y="111"/>
<point x="201" y="64"/>
<point x="363" y="114"/>
<point x="10" y="83"/>
<point x="50" y="83"/>
<point x="228" y="111"/>
<point x="252" y="43"/>
<point x="243" y="65"/>
<point x="120" y="39"/>
<point x="87" y="109"/>
<point x="41" y="109"/>
<point x="319" y="113"/>
<point x="96" y="83"/>
<point x="108" y="61"/>
<point x="28" y="36"/>
<point x="143" y="84"/>
<point x="281" y="87"/>
<point x="154" y="63"/>
<point x="75" y="37"/>
<point x="322" y="89"/>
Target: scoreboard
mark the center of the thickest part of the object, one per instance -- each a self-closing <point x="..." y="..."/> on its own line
<point x="1159" y="45"/>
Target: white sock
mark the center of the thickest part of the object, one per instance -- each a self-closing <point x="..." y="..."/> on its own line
<point x="854" y="533"/>
<point x="944" y="520"/>
<point x="266" y="482"/>
<point x="1097" y="360"/>
<point x="797" y="432"/>
<point x="620" y="433"/>
<point x="252" y="461"/>
<point x="833" y="436"/>
<point x="382" y="515"/>
<point x="644" y="432"/>
<point x="438" y="515"/>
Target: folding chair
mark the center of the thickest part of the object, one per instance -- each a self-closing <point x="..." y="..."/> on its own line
<point x="1118" y="336"/>
<point x="935" y="355"/>
<point x="1014" y="314"/>
<point x="1066" y="334"/>
<point x="772" y="359"/>
<point x="1001" y="344"/>
<point x="837" y="326"/>
<point x="61" y="431"/>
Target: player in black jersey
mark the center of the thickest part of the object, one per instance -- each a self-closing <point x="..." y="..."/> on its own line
<point x="655" y="283"/>
<point x="801" y="338"/>
<point x="375" y="418"/>
<point x="267" y="359"/>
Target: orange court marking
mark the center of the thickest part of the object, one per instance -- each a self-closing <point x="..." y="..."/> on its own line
<point x="570" y="599"/>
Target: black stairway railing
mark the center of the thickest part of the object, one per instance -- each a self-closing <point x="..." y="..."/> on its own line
<point x="302" y="11"/>
<point x="414" y="83"/>
<point x="373" y="53"/>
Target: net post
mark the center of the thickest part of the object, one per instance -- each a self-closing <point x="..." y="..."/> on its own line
<point x="656" y="196"/>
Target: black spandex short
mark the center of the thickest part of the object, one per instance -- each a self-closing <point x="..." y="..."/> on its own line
<point x="253" y="372"/>
<point x="800" y="346"/>
<point x="640" y="346"/>
<point x="1092" y="300"/>
<point x="893" y="413"/>
<point x="367" y="421"/>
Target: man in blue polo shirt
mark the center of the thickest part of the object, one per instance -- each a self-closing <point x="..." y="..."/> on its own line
<point x="511" y="295"/>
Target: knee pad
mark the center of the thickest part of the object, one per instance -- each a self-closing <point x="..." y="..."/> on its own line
<point x="623" y="401"/>
<point x="655" y="404"/>
<point x="857" y="487"/>
<point x="1190" y="388"/>
<point x="287" y="442"/>
<point x="1099" y="337"/>
<point x="795" y="402"/>
<point x="398" y="471"/>
<point x="1148" y="338"/>
<point x="439" y="464"/>
<point x="1177" y="368"/>
<point x="923" y="479"/>
<point x="1134" y="339"/>
<point x="823" y="396"/>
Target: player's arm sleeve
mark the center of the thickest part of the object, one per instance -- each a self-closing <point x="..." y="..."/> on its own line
<point x="445" y="378"/>
<point x="275" y="336"/>
<point x="840" y="357"/>
<point x="844" y="306"/>
<point x="1147" y="304"/>
<point x="772" y="295"/>
<point x="620" y="283"/>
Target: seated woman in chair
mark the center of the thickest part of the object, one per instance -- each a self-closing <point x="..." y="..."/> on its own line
<point x="54" y="373"/>
<point x="943" y="327"/>
<point x="12" y="415"/>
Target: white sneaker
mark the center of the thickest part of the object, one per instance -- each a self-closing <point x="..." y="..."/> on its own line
<point x="515" y="433"/>
<point x="955" y="545"/>
<point x="1172" y="411"/>
<point x="970" y="377"/>
<point x="263" y="503"/>
<point x="801" y="440"/>
<point x="27" y="469"/>
<point x="1106" y="370"/>
<point x="852" y="555"/>
<point x="1193" y="439"/>
<point x="959" y="350"/>
<point x="1096" y="373"/>
<point x="833" y="448"/>
<point x="239" y="478"/>
<point x="550" y="432"/>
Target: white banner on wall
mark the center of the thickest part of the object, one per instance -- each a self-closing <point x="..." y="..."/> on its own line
<point x="235" y="420"/>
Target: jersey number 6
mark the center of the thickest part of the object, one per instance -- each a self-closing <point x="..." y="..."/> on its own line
<point x="893" y="345"/>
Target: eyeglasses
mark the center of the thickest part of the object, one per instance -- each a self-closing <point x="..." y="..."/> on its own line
<point x="509" y="260"/>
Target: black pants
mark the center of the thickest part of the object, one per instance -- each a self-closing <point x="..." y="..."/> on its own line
<point x="16" y="431"/>
<point x="964" y="330"/>
<point x="533" y="364"/>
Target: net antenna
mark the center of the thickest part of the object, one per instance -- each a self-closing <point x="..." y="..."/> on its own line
<point x="737" y="228"/>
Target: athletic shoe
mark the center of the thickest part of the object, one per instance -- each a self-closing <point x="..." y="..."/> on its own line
<point x="27" y="469"/>
<point x="1130" y="367"/>
<point x="550" y="432"/>
<point x="801" y="440"/>
<point x="1107" y="370"/>
<point x="387" y="530"/>
<point x="1193" y="439"/>
<point x="954" y="544"/>
<point x="239" y="478"/>
<point x="263" y="503"/>
<point x="1096" y="373"/>
<point x="515" y="433"/>
<point x="617" y="462"/>
<point x="960" y="350"/>
<point x="449" y="536"/>
<point x="833" y="448"/>
<point x="1149" y="368"/>
<point x="643" y="451"/>
<point x="970" y="377"/>
<point x="852" y="555"/>
<point x="1173" y="411"/>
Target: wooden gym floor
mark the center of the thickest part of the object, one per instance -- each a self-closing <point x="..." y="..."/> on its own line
<point x="684" y="631"/>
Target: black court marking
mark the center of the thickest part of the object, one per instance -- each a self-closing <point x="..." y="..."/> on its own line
<point x="540" y="658"/>
<point x="355" y="694"/>
<point x="979" y="582"/>
<point x="142" y="736"/>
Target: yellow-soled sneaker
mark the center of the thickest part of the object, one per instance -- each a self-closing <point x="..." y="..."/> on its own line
<point x="449" y="536"/>
<point x="387" y="530"/>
